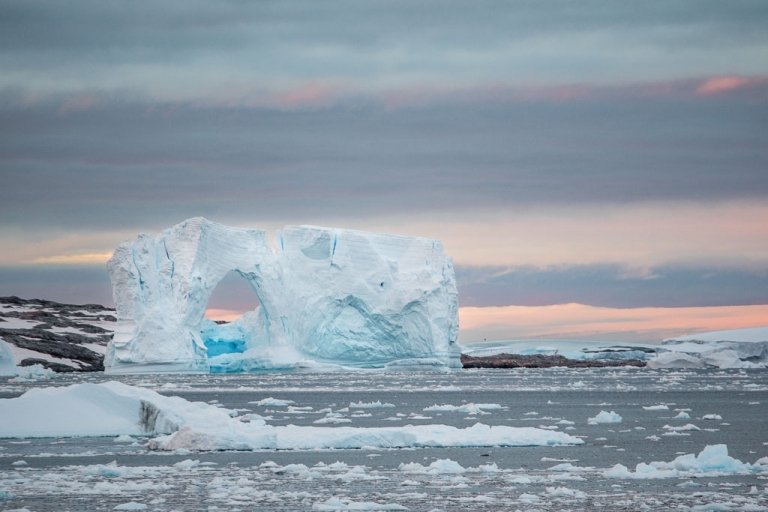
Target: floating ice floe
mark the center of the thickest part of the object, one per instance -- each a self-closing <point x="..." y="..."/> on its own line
<point x="604" y="417"/>
<point x="470" y="408"/>
<point x="713" y="460"/>
<point x="272" y="402"/>
<point x="113" y="409"/>
<point x="660" y="407"/>
<point x="370" y="405"/>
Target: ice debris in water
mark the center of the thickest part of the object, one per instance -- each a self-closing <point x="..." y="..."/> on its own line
<point x="326" y="296"/>
<point x="273" y="402"/>
<point x="470" y="408"/>
<point x="337" y="504"/>
<point x="369" y="405"/>
<point x="713" y="459"/>
<point x="604" y="417"/>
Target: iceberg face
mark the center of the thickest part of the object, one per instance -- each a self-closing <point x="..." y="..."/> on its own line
<point x="7" y="365"/>
<point x="737" y="348"/>
<point x="326" y="296"/>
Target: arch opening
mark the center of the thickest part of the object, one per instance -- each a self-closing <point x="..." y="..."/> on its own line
<point x="232" y="317"/>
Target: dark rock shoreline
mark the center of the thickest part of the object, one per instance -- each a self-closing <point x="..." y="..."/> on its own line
<point x="43" y="338"/>
<point x="541" y="361"/>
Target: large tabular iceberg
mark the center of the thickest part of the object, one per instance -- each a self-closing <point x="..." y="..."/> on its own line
<point x="736" y="348"/>
<point x="326" y="296"/>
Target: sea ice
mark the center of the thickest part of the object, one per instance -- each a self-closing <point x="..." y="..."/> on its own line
<point x="713" y="459"/>
<point x="113" y="408"/>
<point x="344" y="297"/>
<point x="604" y="417"/>
<point x="471" y="408"/>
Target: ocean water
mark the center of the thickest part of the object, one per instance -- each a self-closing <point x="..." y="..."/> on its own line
<point x="102" y="474"/>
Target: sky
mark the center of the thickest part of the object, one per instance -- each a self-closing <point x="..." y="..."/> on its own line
<point x="594" y="169"/>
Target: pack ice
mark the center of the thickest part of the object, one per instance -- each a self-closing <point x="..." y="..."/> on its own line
<point x="326" y="295"/>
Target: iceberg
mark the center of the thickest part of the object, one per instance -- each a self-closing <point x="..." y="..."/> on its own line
<point x="735" y="348"/>
<point x="326" y="296"/>
<point x="7" y="365"/>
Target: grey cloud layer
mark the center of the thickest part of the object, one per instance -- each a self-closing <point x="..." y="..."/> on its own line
<point x="197" y="45"/>
<point x="142" y="166"/>
<point x="612" y="286"/>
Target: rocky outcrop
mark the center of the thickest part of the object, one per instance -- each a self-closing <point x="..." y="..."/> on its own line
<point x="61" y="337"/>
<point x="542" y="361"/>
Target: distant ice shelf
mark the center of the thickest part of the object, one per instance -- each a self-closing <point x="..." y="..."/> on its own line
<point x="327" y="297"/>
<point x="737" y="348"/>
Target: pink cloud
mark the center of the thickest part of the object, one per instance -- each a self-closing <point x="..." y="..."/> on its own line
<point x="79" y="103"/>
<point x="579" y="321"/>
<point x="723" y="84"/>
<point x="310" y="95"/>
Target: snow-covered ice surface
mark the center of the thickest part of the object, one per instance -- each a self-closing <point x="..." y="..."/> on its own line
<point x="738" y="348"/>
<point x="709" y="464"/>
<point x="327" y="296"/>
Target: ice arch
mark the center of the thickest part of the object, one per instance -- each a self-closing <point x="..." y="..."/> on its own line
<point x="327" y="296"/>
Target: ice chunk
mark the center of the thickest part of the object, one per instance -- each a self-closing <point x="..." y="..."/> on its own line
<point x="335" y="296"/>
<point x="336" y="504"/>
<point x="713" y="459"/>
<point x="604" y="417"/>
<point x="7" y="364"/>
<point x="471" y="408"/>
<point x="660" y="407"/>
<point x="438" y="467"/>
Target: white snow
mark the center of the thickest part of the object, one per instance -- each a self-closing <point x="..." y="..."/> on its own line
<point x="113" y="408"/>
<point x="10" y="322"/>
<point x="345" y="297"/>
<point x="604" y="417"/>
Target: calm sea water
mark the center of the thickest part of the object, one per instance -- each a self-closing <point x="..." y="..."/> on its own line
<point x="75" y="474"/>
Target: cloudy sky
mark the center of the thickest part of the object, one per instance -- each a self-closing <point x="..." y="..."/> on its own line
<point x="595" y="169"/>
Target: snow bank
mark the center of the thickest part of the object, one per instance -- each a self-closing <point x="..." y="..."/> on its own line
<point x="713" y="460"/>
<point x="113" y="409"/>
<point x="108" y="409"/>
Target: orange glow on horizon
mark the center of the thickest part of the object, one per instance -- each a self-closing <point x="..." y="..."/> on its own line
<point x="227" y="315"/>
<point x="581" y="321"/>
